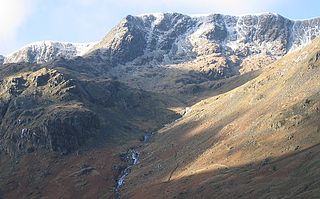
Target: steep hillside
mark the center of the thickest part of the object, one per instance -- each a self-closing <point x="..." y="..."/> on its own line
<point x="260" y="140"/>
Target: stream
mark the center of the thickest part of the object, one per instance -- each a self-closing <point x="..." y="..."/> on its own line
<point x="132" y="157"/>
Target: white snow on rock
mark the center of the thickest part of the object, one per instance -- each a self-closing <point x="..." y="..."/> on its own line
<point x="175" y="36"/>
<point x="243" y="31"/>
<point x="44" y="51"/>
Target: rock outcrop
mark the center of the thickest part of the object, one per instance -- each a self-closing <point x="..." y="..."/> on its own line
<point x="51" y="110"/>
<point x="36" y="113"/>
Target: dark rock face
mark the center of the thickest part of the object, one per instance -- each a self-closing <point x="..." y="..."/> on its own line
<point x="271" y="28"/>
<point x="70" y="129"/>
<point x="219" y="30"/>
<point x="124" y="43"/>
<point x="35" y="114"/>
<point x="306" y="27"/>
<point x="63" y="131"/>
<point x="132" y="44"/>
<point x="164" y="34"/>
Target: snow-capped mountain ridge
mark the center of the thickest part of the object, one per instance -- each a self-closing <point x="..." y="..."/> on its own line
<point x="44" y="51"/>
<point x="176" y="35"/>
<point x="173" y="37"/>
<point x="217" y="45"/>
<point x="241" y="29"/>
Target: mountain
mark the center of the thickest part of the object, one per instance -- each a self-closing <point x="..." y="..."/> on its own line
<point x="174" y="53"/>
<point x="223" y="45"/>
<point x="174" y="38"/>
<point x="165" y="106"/>
<point x="259" y="140"/>
<point x="45" y="51"/>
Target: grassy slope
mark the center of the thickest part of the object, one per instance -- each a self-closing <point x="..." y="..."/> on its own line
<point x="258" y="140"/>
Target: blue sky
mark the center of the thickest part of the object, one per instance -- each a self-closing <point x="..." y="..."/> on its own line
<point x="26" y="21"/>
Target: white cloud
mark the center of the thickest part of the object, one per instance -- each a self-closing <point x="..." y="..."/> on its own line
<point x="13" y="13"/>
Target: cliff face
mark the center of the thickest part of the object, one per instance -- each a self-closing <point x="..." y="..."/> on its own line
<point x="36" y="113"/>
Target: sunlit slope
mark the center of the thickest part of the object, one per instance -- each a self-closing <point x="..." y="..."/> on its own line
<point x="258" y="140"/>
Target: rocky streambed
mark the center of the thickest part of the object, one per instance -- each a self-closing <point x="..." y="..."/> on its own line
<point x="130" y="158"/>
